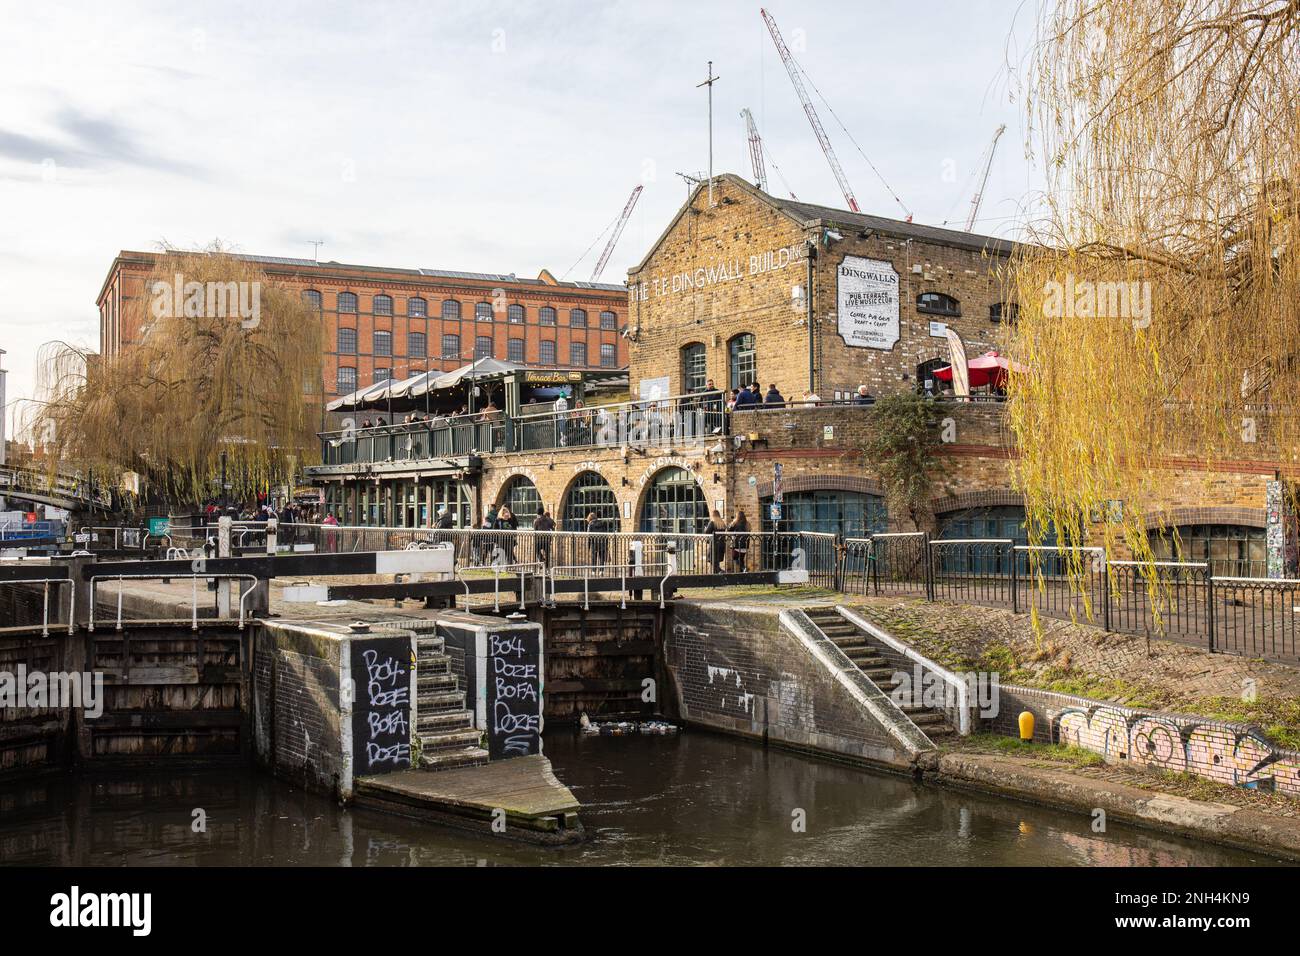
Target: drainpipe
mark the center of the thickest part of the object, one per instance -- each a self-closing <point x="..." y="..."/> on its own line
<point x="808" y="296"/>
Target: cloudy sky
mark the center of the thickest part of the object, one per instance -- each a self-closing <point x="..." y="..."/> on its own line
<point x="495" y="137"/>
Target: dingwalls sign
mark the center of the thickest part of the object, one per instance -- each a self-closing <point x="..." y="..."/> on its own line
<point x="514" y="692"/>
<point x="867" y="303"/>
<point x="381" y="711"/>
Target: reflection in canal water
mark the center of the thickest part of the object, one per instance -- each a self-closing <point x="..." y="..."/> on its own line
<point x="694" y="799"/>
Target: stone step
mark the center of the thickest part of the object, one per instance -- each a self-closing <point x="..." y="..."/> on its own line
<point x="433" y="664"/>
<point x="449" y="740"/>
<point x="440" y="720"/>
<point x="447" y="759"/>
<point x="879" y="672"/>
<point x="429" y="644"/>
<point x="428" y="683"/>
<point x="440" y="701"/>
<point x="848" y="640"/>
<point x="928" y="718"/>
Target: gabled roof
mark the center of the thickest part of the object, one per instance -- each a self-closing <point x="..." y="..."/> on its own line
<point x="809" y="215"/>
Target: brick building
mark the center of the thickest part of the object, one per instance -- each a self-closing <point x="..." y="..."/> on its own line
<point x="809" y="298"/>
<point x="393" y="323"/>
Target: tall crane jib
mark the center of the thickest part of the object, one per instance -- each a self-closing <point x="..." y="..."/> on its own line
<point x="818" y="131"/>
<point x="618" y="231"/>
<point x="755" y="150"/>
<point x="984" y="179"/>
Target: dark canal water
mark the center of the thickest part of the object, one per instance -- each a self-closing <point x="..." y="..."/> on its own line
<point x="697" y="799"/>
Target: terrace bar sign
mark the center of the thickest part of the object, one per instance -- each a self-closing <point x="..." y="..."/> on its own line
<point x="867" y="303"/>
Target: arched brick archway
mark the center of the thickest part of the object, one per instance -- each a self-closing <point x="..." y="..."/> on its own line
<point x="967" y="500"/>
<point x="1212" y="514"/>
<point x="865" y="486"/>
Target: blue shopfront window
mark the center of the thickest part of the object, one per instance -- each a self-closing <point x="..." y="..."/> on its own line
<point x="848" y="513"/>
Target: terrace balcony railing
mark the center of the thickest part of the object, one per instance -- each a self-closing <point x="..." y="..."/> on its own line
<point x="679" y="420"/>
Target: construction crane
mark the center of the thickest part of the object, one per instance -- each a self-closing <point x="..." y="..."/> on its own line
<point x="755" y="150"/>
<point x="792" y="68"/>
<point x="984" y="179"/>
<point x="618" y="231"/>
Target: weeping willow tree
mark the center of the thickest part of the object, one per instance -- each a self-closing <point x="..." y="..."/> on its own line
<point x="1159" y="289"/>
<point x="228" y="365"/>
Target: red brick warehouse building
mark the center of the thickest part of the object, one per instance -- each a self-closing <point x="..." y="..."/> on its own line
<point x="385" y="323"/>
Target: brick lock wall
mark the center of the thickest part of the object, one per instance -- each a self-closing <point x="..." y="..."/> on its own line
<point x="296" y="705"/>
<point x="1226" y="753"/>
<point x="735" y="669"/>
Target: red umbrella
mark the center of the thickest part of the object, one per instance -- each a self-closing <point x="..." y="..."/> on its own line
<point x="989" y="369"/>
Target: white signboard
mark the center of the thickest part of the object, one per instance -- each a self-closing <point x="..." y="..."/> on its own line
<point x="867" y="303"/>
<point x="653" y="389"/>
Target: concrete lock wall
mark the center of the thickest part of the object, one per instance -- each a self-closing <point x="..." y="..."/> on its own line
<point x="735" y="669"/>
<point x="1229" y="753"/>
<point x="331" y="704"/>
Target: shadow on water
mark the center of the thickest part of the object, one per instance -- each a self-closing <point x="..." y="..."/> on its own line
<point x="695" y="799"/>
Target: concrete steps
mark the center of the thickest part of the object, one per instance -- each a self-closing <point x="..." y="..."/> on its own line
<point x="867" y="654"/>
<point x="443" y="725"/>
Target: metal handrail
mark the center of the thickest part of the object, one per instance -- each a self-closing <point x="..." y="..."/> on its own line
<point x="45" y="612"/>
<point x="194" y="609"/>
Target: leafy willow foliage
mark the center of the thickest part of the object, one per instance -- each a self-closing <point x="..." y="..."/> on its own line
<point x="194" y="387"/>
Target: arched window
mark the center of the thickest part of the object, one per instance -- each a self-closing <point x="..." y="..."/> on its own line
<point x="996" y="521"/>
<point x="347" y="341"/>
<point x="450" y="345"/>
<point x="483" y="311"/>
<point x="416" y="344"/>
<point x="578" y="318"/>
<point x="694" y="367"/>
<point x="417" y="307"/>
<point x="547" y="354"/>
<point x="925" y="380"/>
<point x="1232" y="550"/>
<point x="483" y="346"/>
<point x="546" y="315"/>
<point x="674" y="504"/>
<point x="742" y="362"/>
<point x="1007" y="312"/>
<point x="450" y="309"/>
<point x="515" y="314"/>
<point x="521" y="497"/>
<point x="383" y="342"/>
<point x="347" y="380"/>
<point x="852" y="514"/>
<point x="609" y="321"/>
<point x="936" y="303"/>
<point x="347" y="302"/>
<point x="515" y="351"/>
<point x="383" y="305"/>
<point x="312" y="298"/>
<point x="590" y="492"/>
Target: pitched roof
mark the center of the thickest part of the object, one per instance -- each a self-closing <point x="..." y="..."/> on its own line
<point x="810" y="214"/>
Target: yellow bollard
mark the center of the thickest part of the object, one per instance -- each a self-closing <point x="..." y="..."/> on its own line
<point x="1026" y="727"/>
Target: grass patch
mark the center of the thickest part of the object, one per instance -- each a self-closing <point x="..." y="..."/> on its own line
<point x="1278" y="716"/>
<point x="1074" y="756"/>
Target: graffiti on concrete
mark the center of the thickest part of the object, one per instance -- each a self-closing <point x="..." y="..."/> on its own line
<point x="1227" y="753"/>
